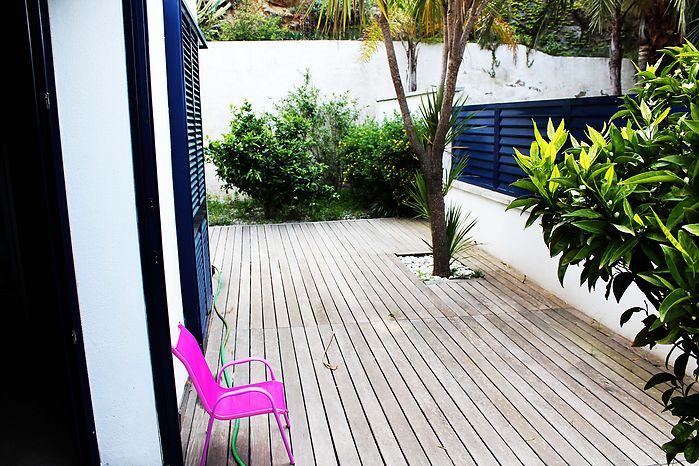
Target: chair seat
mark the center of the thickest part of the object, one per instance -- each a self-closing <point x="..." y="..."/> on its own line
<point x="252" y="403"/>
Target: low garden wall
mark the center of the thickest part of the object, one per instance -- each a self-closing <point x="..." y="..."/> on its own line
<point x="263" y="72"/>
<point x="503" y="235"/>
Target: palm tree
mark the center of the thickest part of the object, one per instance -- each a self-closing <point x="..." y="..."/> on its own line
<point x="408" y="25"/>
<point x="459" y="19"/>
<point x="610" y="15"/>
<point x="662" y="24"/>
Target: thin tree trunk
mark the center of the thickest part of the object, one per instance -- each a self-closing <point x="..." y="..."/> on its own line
<point x="415" y="143"/>
<point x="445" y="46"/>
<point x="615" y="52"/>
<point x="438" y="227"/>
<point x="411" y="53"/>
<point x="644" y="54"/>
<point x="459" y="20"/>
<point x="430" y="162"/>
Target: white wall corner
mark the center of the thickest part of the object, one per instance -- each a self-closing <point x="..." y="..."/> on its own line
<point x="502" y="234"/>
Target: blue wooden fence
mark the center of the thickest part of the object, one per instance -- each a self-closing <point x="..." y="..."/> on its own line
<point x="496" y="129"/>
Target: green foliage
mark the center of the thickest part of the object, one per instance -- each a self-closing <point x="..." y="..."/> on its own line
<point x="221" y="210"/>
<point x="269" y="158"/>
<point x="249" y="23"/>
<point x="625" y="205"/>
<point x="379" y="164"/>
<point x="241" y="209"/>
<point x="330" y="119"/>
<point x="556" y="28"/>
<point x="313" y="24"/>
<point x="210" y="15"/>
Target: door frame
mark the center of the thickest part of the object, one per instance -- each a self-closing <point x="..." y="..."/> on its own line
<point x="34" y="28"/>
<point x="150" y="228"/>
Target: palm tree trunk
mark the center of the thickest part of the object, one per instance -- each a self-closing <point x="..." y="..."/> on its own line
<point x="430" y="162"/>
<point x="411" y="52"/>
<point x="415" y="143"/>
<point x="445" y="46"/>
<point x="615" y="52"/>
<point x="658" y="30"/>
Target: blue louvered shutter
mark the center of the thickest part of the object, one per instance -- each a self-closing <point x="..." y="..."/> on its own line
<point x="183" y="39"/>
<point x="195" y="151"/>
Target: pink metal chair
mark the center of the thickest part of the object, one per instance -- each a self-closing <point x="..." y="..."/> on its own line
<point x="231" y="403"/>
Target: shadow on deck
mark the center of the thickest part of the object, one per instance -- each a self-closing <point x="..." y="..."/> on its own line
<point x="484" y="371"/>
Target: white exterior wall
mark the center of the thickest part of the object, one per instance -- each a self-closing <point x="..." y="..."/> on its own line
<point x="161" y="123"/>
<point x="503" y="235"/>
<point x="90" y="69"/>
<point x="263" y="72"/>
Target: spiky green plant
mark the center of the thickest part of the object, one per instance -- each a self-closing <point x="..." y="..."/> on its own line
<point x="457" y="221"/>
<point x="210" y="15"/>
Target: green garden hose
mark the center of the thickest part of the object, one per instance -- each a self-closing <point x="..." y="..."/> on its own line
<point x="221" y="351"/>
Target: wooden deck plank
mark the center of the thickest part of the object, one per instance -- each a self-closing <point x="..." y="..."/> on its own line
<point x="294" y="279"/>
<point x="611" y="383"/>
<point x="273" y="355"/>
<point x="226" y="245"/>
<point x="586" y="355"/>
<point x="592" y="393"/>
<point x="597" y="349"/>
<point x="317" y="419"/>
<point x="260" y="450"/>
<point x="295" y="399"/>
<point x="510" y="424"/>
<point x="483" y="371"/>
<point x="603" y="435"/>
<point x="573" y="445"/>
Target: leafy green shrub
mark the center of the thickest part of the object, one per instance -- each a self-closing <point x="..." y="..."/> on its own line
<point x="379" y="164"/>
<point x="556" y="28"/>
<point x="330" y="118"/>
<point x="625" y="205"/>
<point x="268" y="158"/>
<point x="248" y="23"/>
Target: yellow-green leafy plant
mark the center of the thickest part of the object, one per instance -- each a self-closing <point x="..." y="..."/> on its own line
<point x="624" y="205"/>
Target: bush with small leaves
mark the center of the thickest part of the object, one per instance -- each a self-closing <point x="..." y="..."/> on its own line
<point x="379" y="165"/>
<point x="268" y="158"/>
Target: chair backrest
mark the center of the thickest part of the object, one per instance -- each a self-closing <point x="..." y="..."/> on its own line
<point x="188" y="351"/>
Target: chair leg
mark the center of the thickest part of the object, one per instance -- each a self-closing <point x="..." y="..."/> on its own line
<point x="286" y="419"/>
<point x="206" y="443"/>
<point x="284" y="438"/>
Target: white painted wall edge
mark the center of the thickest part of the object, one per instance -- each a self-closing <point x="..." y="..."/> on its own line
<point x="166" y="191"/>
<point x="502" y="234"/>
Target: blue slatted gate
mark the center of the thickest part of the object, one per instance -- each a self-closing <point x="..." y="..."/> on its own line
<point x="183" y="40"/>
<point x="496" y="129"/>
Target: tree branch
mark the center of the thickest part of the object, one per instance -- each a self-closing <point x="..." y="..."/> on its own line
<point x="446" y="45"/>
<point x="456" y="57"/>
<point x="415" y="143"/>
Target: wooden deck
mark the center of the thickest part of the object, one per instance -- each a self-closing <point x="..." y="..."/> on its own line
<point x="484" y="371"/>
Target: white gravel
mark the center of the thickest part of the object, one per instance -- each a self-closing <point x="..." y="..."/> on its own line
<point x="422" y="267"/>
